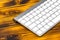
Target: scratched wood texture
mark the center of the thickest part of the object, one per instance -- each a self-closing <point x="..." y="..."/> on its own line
<point x="11" y="30"/>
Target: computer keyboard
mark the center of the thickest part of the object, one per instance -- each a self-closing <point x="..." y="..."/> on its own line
<point x="42" y="17"/>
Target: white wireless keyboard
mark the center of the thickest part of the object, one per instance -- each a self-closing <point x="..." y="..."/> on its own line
<point x="42" y="17"/>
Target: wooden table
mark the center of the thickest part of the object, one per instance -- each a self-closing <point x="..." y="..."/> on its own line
<point x="11" y="30"/>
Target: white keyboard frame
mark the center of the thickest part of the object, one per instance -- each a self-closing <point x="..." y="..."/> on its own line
<point x="24" y="13"/>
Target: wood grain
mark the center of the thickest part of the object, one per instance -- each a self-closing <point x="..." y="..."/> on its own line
<point x="11" y="30"/>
